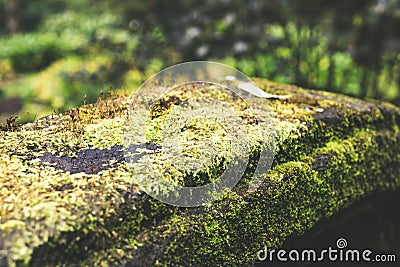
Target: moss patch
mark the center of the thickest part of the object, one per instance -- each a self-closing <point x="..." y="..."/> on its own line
<point x="330" y="151"/>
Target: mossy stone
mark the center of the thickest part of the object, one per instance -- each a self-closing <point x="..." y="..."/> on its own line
<point x="331" y="150"/>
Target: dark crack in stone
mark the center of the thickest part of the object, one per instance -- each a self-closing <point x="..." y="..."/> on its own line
<point x="94" y="160"/>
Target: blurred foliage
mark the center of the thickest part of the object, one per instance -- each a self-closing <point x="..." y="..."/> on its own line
<point x="68" y="49"/>
<point x="33" y="52"/>
<point x="73" y="56"/>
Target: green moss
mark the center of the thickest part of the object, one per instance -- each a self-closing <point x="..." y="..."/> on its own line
<point x="330" y="151"/>
<point x="299" y="196"/>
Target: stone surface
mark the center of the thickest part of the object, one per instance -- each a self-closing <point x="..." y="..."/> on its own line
<point x="68" y="198"/>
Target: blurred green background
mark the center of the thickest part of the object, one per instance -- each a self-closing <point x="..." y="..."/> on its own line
<point x="54" y="52"/>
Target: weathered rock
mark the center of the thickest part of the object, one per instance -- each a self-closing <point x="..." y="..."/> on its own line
<point x="68" y="198"/>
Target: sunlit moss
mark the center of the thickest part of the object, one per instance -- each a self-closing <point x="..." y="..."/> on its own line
<point x="331" y="150"/>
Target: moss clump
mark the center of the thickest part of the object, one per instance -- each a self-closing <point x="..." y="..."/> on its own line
<point x="330" y="151"/>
